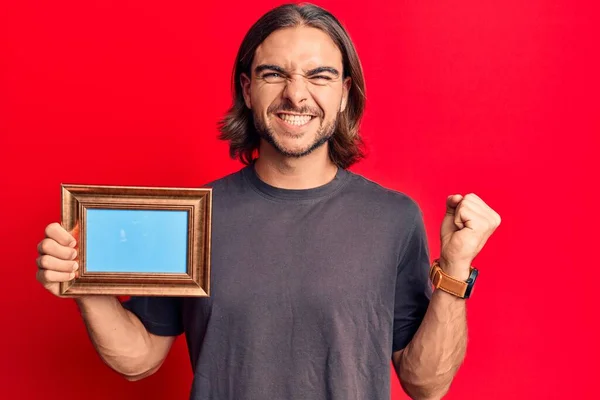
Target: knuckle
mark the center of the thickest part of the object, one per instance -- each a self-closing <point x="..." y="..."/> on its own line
<point x="46" y="276"/>
<point x="46" y="246"/>
<point x="54" y="276"/>
<point x="40" y="276"/>
<point x="45" y="262"/>
<point x="472" y="197"/>
<point x="50" y="228"/>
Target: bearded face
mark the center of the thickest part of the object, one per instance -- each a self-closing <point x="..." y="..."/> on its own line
<point x="296" y="90"/>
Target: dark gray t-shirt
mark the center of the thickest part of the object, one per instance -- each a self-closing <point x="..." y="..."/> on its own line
<point x="312" y="291"/>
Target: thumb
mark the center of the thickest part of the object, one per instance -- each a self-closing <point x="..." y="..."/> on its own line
<point x="448" y="225"/>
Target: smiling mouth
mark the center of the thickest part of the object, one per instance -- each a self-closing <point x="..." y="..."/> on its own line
<point x="295" y="119"/>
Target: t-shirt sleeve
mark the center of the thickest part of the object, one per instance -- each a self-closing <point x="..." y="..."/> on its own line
<point x="413" y="289"/>
<point x="160" y="315"/>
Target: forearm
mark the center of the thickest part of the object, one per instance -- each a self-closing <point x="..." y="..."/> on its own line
<point x="119" y="337"/>
<point x="428" y="364"/>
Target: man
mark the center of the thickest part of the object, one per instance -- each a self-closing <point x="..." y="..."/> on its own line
<point x="319" y="276"/>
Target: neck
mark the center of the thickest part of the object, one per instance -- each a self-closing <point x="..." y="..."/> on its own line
<point x="310" y="171"/>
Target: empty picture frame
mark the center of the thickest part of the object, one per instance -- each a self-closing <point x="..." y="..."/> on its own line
<point x="138" y="241"/>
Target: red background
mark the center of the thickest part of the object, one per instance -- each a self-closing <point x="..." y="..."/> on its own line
<point x="499" y="98"/>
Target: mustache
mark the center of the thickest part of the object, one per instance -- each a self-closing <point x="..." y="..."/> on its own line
<point x="277" y="108"/>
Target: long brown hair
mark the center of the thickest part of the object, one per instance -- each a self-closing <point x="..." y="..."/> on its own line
<point x="346" y="146"/>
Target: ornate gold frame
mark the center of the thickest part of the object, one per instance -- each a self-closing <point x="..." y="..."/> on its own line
<point x="76" y="199"/>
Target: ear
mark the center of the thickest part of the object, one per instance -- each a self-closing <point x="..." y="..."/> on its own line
<point x="345" y="92"/>
<point x="245" y="83"/>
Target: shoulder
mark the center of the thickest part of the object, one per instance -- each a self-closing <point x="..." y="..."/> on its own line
<point x="225" y="182"/>
<point x="381" y="196"/>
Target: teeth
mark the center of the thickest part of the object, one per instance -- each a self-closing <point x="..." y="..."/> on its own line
<point x="297" y="120"/>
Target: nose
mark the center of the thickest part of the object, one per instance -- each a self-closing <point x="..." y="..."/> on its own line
<point x="296" y="90"/>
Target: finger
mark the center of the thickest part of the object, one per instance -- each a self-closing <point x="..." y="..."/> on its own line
<point x="488" y="210"/>
<point x="45" y="276"/>
<point x="452" y="202"/>
<point x="54" y="264"/>
<point x="60" y="235"/>
<point x="472" y="201"/>
<point x="474" y="219"/>
<point x="468" y="215"/>
<point x="477" y="200"/>
<point x="474" y="204"/>
<point x="458" y="216"/>
<point x="474" y="197"/>
<point x="52" y="248"/>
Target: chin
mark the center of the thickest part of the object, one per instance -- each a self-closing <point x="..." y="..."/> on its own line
<point x="294" y="142"/>
<point x="297" y="147"/>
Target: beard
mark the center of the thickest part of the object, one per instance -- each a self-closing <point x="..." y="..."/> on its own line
<point x="266" y="132"/>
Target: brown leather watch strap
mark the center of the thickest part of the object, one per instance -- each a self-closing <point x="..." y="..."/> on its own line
<point x="445" y="282"/>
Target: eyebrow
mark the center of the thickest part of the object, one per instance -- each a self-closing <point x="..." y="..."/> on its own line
<point x="272" y="67"/>
<point x="263" y="67"/>
<point x="320" y="70"/>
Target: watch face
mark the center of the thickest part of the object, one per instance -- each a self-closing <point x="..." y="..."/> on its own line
<point x="471" y="283"/>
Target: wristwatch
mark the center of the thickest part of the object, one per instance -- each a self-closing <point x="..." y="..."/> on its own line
<point x="445" y="282"/>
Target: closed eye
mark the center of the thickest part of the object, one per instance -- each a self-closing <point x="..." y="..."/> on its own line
<point x="273" y="77"/>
